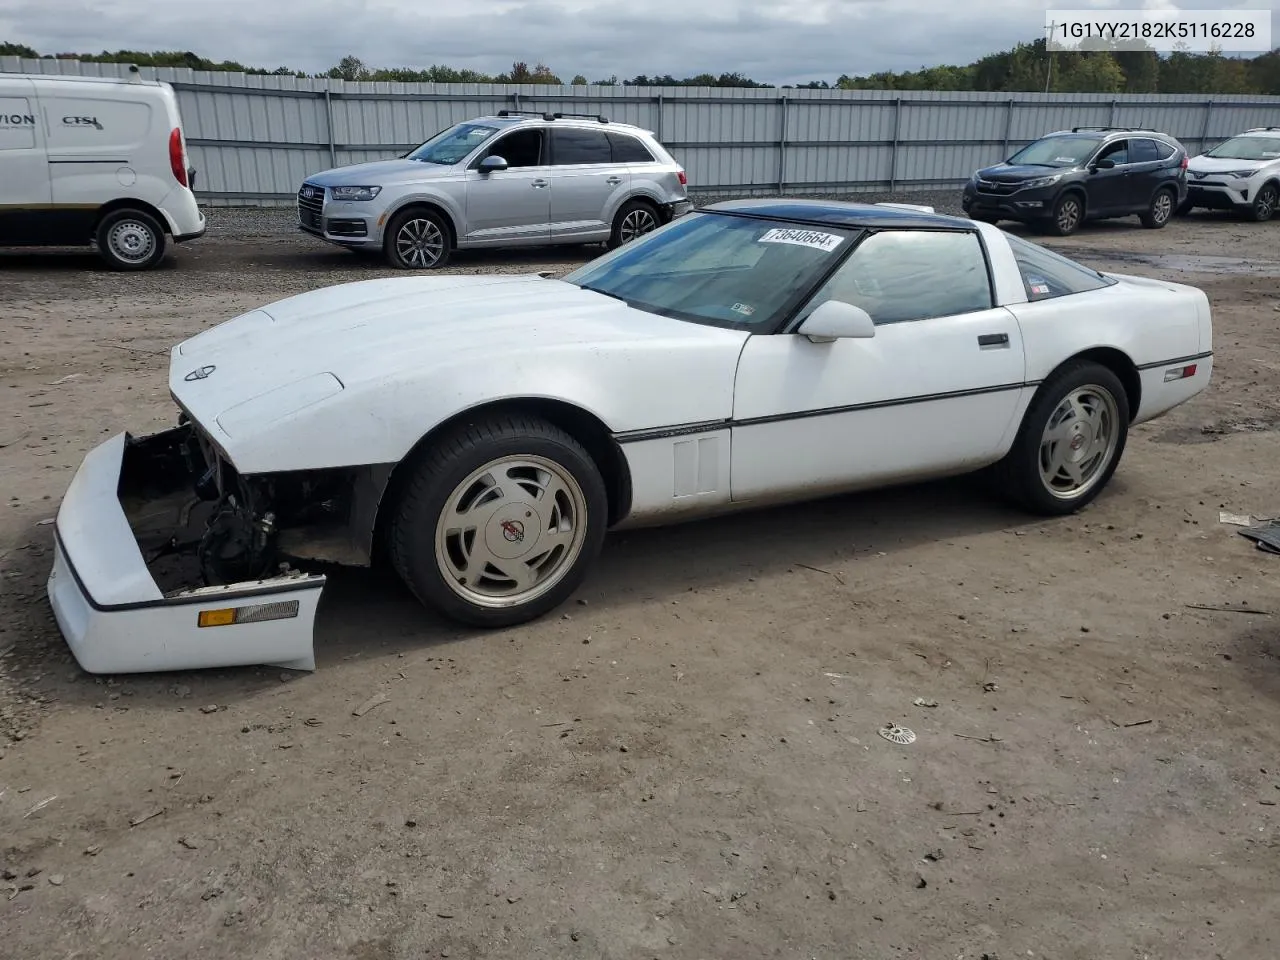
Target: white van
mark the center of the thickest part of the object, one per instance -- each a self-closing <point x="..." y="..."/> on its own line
<point x="88" y="160"/>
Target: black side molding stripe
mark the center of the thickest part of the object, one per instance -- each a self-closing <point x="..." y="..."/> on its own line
<point x="1176" y="360"/>
<point x="708" y="426"/>
<point x="664" y="433"/>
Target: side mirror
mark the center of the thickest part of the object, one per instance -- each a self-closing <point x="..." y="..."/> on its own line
<point x="837" y="320"/>
<point x="492" y="164"/>
<point x="1104" y="164"/>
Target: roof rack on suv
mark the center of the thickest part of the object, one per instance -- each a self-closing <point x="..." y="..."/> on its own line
<point x="1079" y="129"/>
<point x="1260" y="129"/>
<point x="545" y="115"/>
<point x="598" y="117"/>
<point x="527" y="113"/>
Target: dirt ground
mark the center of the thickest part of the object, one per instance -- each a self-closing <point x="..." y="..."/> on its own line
<point x="685" y="762"/>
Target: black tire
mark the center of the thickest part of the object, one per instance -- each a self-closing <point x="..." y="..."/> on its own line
<point x="1019" y="475"/>
<point x="1064" y="222"/>
<point x="984" y="218"/>
<point x="426" y="243"/>
<point x="1160" y="210"/>
<point x="1264" y="204"/>
<point x="435" y="480"/>
<point x="130" y="240"/>
<point x="634" y="219"/>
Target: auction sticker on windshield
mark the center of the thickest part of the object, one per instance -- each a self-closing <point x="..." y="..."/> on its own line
<point x="803" y="238"/>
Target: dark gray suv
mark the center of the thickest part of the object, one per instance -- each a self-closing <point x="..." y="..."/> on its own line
<point x="1085" y="173"/>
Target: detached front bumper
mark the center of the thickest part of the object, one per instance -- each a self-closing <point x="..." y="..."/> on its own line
<point x="115" y="616"/>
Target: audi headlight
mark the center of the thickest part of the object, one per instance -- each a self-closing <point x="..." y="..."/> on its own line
<point x="354" y="193"/>
<point x="1042" y="182"/>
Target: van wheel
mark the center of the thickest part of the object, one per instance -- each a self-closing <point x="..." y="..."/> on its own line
<point x="130" y="240"/>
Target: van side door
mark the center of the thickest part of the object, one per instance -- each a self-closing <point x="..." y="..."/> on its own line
<point x="24" y="187"/>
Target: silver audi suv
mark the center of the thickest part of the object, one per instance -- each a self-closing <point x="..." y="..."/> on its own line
<point x="517" y="179"/>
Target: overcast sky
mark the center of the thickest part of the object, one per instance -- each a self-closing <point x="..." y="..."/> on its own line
<point x="773" y="41"/>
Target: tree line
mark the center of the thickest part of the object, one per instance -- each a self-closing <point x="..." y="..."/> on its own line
<point x="1026" y="67"/>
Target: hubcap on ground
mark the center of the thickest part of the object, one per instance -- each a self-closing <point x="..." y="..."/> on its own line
<point x="510" y="531"/>
<point x="636" y="224"/>
<point x="131" y="241"/>
<point x="420" y="243"/>
<point x="1078" y="442"/>
<point x="1069" y="215"/>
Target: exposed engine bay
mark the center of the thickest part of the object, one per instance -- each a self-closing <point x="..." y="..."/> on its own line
<point x="199" y="522"/>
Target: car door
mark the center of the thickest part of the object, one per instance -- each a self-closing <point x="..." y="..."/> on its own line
<point x="1109" y="187"/>
<point x="933" y="392"/>
<point x="586" y="185"/>
<point x="24" y="188"/>
<point x="511" y="205"/>
<point x="1145" y="173"/>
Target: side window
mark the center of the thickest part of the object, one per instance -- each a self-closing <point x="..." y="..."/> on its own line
<point x="520" y="149"/>
<point x="17" y="124"/>
<point x="1046" y="275"/>
<point x="1143" y="151"/>
<point x="1117" y="152"/>
<point x="627" y="149"/>
<point x="903" y="275"/>
<point x="579" y="146"/>
<point x="1164" y="150"/>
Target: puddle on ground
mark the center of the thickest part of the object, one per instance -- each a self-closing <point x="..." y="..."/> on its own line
<point x="1184" y="263"/>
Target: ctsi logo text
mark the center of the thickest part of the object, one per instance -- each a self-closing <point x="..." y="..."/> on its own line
<point x="82" y="122"/>
<point x="17" y="119"/>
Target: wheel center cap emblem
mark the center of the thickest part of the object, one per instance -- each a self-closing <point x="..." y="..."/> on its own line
<point x="1078" y="441"/>
<point x="513" y="531"/>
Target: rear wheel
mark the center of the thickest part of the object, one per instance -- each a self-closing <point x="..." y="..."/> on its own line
<point x="130" y="240"/>
<point x="1070" y="441"/>
<point x="1264" y="204"/>
<point x="500" y="522"/>
<point x="1068" y="214"/>
<point x="418" y="239"/>
<point x="635" y="219"/>
<point x="1160" y="211"/>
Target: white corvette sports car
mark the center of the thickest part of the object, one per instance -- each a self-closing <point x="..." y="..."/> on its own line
<point x="482" y="433"/>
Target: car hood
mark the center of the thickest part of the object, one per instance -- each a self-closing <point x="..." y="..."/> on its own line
<point x="379" y="172"/>
<point x="1203" y="164"/>
<point x="367" y="343"/>
<point x="1011" y="172"/>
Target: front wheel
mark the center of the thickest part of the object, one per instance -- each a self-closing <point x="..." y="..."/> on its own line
<point x="418" y="239"/>
<point x="635" y="219"/>
<point x="1160" y="211"/>
<point x="1264" y="204"/>
<point x="130" y="240"/>
<point x="1070" y="441"/>
<point x="500" y="522"/>
<point x="1068" y="214"/>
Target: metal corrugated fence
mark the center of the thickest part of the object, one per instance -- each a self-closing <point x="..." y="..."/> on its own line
<point x="254" y="138"/>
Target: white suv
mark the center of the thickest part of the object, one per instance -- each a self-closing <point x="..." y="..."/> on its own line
<point x="1241" y="174"/>
<point x="511" y="180"/>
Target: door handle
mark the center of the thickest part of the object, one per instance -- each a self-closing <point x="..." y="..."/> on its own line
<point x="614" y="181"/>
<point x="539" y="184"/>
<point x="993" y="340"/>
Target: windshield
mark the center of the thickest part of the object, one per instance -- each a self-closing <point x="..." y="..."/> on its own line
<point x="1057" y="152"/>
<point x="719" y="269"/>
<point x="453" y="145"/>
<point x="1247" y="148"/>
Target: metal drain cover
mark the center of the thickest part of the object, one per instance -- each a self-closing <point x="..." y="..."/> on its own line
<point x="896" y="734"/>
